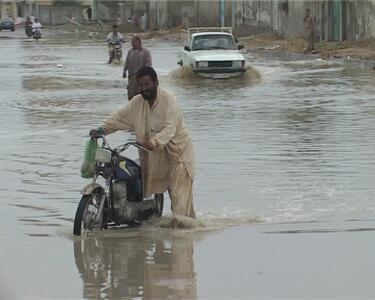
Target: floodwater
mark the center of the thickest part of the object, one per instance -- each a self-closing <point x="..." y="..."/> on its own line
<point x="293" y="143"/>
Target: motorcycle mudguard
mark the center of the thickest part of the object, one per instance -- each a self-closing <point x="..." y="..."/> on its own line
<point x="88" y="189"/>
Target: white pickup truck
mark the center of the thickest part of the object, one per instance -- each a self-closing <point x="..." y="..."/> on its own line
<point x="212" y="52"/>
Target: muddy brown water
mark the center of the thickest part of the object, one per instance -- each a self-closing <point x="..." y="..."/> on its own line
<point x="292" y="142"/>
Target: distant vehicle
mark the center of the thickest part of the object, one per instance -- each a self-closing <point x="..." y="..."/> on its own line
<point x="116" y="53"/>
<point x="37" y="31"/>
<point x="29" y="27"/>
<point x="7" y="23"/>
<point x="212" y="52"/>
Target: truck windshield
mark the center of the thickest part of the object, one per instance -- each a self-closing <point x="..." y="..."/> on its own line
<point x="213" y="41"/>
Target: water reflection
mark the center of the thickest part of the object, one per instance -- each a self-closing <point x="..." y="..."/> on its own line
<point x="150" y="267"/>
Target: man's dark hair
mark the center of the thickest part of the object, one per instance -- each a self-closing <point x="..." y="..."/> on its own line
<point x="147" y="71"/>
<point x="114" y="26"/>
<point x="137" y="38"/>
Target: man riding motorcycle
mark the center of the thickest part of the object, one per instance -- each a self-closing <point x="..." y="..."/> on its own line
<point x="29" y="27"/>
<point x="114" y="38"/>
<point x="37" y="33"/>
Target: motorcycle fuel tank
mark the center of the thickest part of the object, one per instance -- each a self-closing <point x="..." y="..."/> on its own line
<point x="127" y="169"/>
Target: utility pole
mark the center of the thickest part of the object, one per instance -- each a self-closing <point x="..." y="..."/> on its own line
<point x="95" y="10"/>
<point x="30" y="8"/>
<point x="243" y="16"/>
<point x="234" y="12"/>
<point x="222" y="13"/>
<point x="259" y="16"/>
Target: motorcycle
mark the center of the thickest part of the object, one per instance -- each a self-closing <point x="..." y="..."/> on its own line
<point x="119" y="201"/>
<point x="37" y="34"/>
<point x="116" y="53"/>
<point x="29" y="30"/>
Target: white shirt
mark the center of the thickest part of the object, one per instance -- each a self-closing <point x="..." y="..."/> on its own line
<point x="36" y="26"/>
<point x="115" y="38"/>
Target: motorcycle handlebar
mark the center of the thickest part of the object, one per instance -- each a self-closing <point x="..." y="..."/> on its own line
<point x="123" y="147"/>
<point x="126" y="146"/>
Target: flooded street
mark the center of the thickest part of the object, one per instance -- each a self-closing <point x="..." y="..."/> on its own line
<point x="295" y="147"/>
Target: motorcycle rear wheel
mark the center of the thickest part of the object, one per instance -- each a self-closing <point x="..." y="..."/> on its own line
<point x="86" y="214"/>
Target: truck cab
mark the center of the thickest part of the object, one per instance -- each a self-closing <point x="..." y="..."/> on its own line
<point x="211" y="52"/>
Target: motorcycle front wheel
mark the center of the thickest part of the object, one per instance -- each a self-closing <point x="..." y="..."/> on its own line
<point x="86" y="219"/>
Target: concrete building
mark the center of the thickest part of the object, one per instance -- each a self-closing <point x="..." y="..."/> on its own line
<point x="335" y="19"/>
<point x="51" y="12"/>
<point x="10" y="8"/>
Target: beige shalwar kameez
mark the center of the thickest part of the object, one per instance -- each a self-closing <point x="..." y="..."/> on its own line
<point x="170" y="166"/>
<point x="309" y="32"/>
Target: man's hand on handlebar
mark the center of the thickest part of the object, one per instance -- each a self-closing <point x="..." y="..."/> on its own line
<point x="97" y="133"/>
<point x="147" y="144"/>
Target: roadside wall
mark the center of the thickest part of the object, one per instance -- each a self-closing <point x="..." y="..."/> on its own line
<point x="8" y="9"/>
<point x="335" y="19"/>
<point x="53" y="14"/>
<point x="108" y="11"/>
<point x="360" y="19"/>
<point x="158" y="14"/>
<point x="56" y="15"/>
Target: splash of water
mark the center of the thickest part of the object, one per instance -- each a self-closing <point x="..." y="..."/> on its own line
<point x="177" y="222"/>
<point x="186" y="75"/>
<point x="201" y="223"/>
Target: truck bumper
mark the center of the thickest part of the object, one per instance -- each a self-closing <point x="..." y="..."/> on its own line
<point x="219" y="73"/>
<point x="219" y="70"/>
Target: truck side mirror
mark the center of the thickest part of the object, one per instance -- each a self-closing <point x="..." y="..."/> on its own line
<point x="187" y="48"/>
<point x="239" y="47"/>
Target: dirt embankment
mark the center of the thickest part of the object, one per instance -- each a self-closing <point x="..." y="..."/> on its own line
<point x="364" y="50"/>
<point x="100" y="30"/>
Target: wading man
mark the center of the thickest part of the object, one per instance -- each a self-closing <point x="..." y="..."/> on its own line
<point x="309" y="23"/>
<point x="137" y="58"/>
<point x="156" y="118"/>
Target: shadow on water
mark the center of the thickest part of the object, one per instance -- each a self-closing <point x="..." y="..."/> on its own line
<point x="148" y="263"/>
<point x="137" y="265"/>
<point x="44" y="83"/>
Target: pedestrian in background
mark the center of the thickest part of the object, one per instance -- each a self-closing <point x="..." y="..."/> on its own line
<point x="144" y="22"/>
<point x="309" y="23"/>
<point x="137" y="58"/>
<point x="89" y="13"/>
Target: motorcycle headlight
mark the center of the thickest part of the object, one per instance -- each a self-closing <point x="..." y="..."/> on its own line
<point x="202" y="64"/>
<point x="238" y="63"/>
<point x="103" y="156"/>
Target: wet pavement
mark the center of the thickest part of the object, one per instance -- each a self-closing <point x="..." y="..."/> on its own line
<point x="296" y="146"/>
